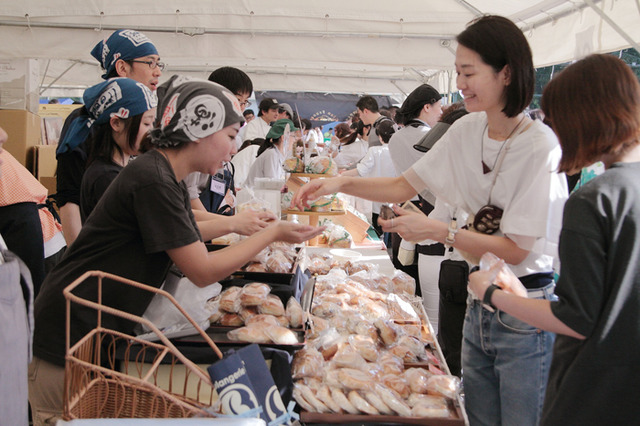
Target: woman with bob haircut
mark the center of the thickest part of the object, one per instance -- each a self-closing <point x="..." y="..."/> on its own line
<point x="493" y="162"/>
<point x="141" y="226"/>
<point x="595" y="357"/>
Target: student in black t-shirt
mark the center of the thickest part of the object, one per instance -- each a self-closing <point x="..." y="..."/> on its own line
<point x="141" y="226"/>
<point x="122" y="111"/>
<point x="593" y="375"/>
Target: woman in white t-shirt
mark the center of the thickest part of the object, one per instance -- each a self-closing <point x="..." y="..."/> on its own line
<point x="270" y="157"/>
<point x="497" y="158"/>
<point x="351" y="149"/>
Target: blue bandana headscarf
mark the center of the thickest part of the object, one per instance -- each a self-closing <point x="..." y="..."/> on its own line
<point x="122" y="44"/>
<point x="190" y="109"/>
<point x="117" y="97"/>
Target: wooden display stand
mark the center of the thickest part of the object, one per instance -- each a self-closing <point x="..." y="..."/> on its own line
<point x="314" y="219"/>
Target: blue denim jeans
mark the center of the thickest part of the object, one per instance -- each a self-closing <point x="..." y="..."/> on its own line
<point x="505" y="366"/>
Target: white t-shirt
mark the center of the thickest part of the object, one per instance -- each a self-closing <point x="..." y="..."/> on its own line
<point x="350" y="154"/>
<point x="528" y="188"/>
<point x="256" y="128"/>
<point x="267" y="165"/>
<point x="377" y="163"/>
<point x="242" y="162"/>
<point x="403" y="154"/>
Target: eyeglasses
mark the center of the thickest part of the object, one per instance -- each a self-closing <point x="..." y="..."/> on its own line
<point x="241" y="102"/>
<point x="152" y="63"/>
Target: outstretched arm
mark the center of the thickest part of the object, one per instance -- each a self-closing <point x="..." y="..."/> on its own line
<point x="382" y="189"/>
<point x="204" y="268"/>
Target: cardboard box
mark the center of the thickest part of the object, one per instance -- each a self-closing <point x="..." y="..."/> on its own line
<point x="19" y="84"/>
<point x="44" y="166"/>
<point x="23" y="128"/>
<point x="57" y="110"/>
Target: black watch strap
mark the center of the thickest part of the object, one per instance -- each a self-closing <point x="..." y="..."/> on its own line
<point x="487" y="295"/>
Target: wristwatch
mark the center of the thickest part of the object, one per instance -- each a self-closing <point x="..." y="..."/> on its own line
<point x="487" y="295"/>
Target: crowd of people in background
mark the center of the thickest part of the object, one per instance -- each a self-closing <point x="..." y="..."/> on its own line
<point x="486" y="175"/>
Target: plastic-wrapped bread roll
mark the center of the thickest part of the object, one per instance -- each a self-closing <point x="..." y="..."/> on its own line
<point x="393" y="400"/>
<point x="397" y="383"/>
<point x="417" y="379"/>
<point x="278" y="263"/>
<point x="426" y="409"/>
<point x="391" y="364"/>
<point x="341" y="399"/>
<point x="281" y="336"/>
<point x="230" y="300"/>
<point x="307" y="362"/>
<point x="347" y="356"/>
<point x="375" y="400"/>
<point x="272" y="306"/>
<point x="443" y="385"/>
<point x="365" y="346"/>
<point x="231" y="320"/>
<point x="297" y="395"/>
<point x="254" y="294"/>
<point x="361" y="404"/>
<point x="324" y="395"/>
<point x="431" y="400"/>
<point x="262" y="319"/>
<point x="310" y="397"/>
<point x="294" y="313"/>
<point x="387" y="330"/>
<point x="251" y="333"/>
<point x="354" y="379"/>
<point x="256" y="267"/>
<point x="248" y="312"/>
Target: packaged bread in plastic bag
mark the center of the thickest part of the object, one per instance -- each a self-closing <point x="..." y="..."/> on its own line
<point x="322" y="165"/>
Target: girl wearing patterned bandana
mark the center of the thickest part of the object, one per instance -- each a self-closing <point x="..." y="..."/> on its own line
<point x="142" y="225"/>
<point x="121" y="114"/>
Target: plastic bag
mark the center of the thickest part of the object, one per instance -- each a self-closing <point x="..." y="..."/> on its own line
<point x="504" y="278"/>
<point x="322" y="165"/>
<point x="192" y="298"/>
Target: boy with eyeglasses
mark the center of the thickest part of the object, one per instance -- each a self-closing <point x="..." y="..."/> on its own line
<point x="126" y="53"/>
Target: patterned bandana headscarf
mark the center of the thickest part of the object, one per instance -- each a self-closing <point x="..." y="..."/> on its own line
<point x="117" y="97"/>
<point x="192" y="109"/>
<point x="122" y="44"/>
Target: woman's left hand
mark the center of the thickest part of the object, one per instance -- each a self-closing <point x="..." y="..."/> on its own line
<point x="411" y="226"/>
<point x="479" y="281"/>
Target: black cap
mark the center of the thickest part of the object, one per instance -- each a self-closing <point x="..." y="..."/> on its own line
<point x="422" y="95"/>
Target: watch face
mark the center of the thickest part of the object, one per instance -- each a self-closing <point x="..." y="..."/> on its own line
<point x="487" y="219"/>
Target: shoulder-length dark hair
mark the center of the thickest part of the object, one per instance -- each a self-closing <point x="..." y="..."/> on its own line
<point x="594" y="107"/>
<point x="101" y="143"/>
<point x="500" y="43"/>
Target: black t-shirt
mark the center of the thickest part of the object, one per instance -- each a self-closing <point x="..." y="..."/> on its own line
<point x="595" y="381"/>
<point x="95" y="182"/>
<point x="144" y="212"/>
<point x="71" y="166"/>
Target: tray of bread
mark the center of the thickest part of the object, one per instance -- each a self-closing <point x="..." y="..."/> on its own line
<point x="370" y="355"/>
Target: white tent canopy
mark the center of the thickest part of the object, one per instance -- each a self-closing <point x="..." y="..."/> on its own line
<point x="333" y="46"/>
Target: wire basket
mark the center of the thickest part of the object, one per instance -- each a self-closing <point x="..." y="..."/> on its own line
<point x="151" y="380"/>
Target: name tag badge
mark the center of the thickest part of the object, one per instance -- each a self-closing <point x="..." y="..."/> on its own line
<point x="217" y="186"/>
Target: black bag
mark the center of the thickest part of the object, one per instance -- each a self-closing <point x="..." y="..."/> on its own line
<point x="452" y="282"/>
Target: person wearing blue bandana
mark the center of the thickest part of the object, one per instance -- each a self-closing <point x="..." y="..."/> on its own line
<point x="125" y="53"/>
<point x="142" y="224"/>
<point x="121" y="113"/>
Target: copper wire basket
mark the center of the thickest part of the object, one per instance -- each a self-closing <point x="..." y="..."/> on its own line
<point x="151" y="380"/>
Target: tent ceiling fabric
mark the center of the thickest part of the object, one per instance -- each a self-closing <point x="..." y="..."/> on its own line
<point x="330" y="46"/>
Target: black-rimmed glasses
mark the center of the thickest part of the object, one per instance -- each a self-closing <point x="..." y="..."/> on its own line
<point x="152" y="63"/>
